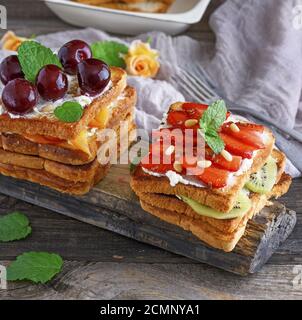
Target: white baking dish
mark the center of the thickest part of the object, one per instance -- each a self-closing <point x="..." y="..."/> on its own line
<point x="180" y="16"/>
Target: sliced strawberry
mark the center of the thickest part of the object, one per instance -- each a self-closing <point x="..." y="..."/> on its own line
<point x="249" y="134"/>
<point x="157" y="160"/>
<point x="214" y="177"/>
<point x="194" y="110"/>
<point x="158" y="168"/>
<point x="189" y="162"/>
<point x="251" y="126"/>
<point x="220" y="162"/>
<point x="176" y="135"/>
<point x="177" y="119"/>
<point x="237" y="147"/>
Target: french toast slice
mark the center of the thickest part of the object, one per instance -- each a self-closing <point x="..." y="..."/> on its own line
<point x="148" y="7"/>
<point x="45" y="125"/>
<point x="79" y="173"/>
<point x="75" y="180"/>
<point x="172" y="203"/>
<point x="151" y="6"/>
<point x="222" y="200"/>
<point x="70" y="153"/>
<point x="212" y="233"/>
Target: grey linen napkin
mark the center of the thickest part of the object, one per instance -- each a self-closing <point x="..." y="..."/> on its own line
<point x="258" y="55"/>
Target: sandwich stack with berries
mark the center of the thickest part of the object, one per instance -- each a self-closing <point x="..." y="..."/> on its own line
<point x="52" y="109"/>
<point x="232" y="173"/>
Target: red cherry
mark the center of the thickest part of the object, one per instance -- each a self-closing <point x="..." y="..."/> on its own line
<point x="52" y="83"/>
<point x="19" y="96"/>
<point x="10" y="69"/>
<point x="93" y="76"/>
<point x="72" y="53"/>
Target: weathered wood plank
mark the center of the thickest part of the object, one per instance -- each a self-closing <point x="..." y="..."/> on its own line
<point x="75" y="240"/>
<point x="113" y="206"/>
<point x="80" y="280"/>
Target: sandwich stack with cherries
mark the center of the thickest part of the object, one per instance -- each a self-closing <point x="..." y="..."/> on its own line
<point x="209" y="172"/>
<point x="52" y="108"/>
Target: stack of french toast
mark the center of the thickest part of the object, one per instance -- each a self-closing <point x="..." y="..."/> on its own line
<point x="212" y="191"/>
<point x="51" y="117"/>
<point x="149" y="6"/>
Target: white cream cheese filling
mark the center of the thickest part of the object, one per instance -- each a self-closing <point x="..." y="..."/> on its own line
<point x="46" y="108"/>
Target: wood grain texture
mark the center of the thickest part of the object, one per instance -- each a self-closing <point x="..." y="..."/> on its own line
<point x="113" y="206"/>
<point x="124" y="268"/>
<point x="84" y="280"/>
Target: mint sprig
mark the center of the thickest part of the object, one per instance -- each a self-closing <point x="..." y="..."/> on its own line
<point x="14" y="226"/>
<point x="110" y="52"/>
<point x="33" y="56"/>
<point x="39" y="267"/>
<point x="211" y="121"/>
<point x="69" y="111"/>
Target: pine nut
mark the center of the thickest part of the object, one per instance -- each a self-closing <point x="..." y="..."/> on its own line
<point x="169" y="150"/>
<point x="48" y="108"/>
<point x="234" y="127"/>
<point x="204" y="163"/>
<point x="177" y="166"/>
<point x="176" y="106"/>
<point x="227" y="156"/>
<point x="191" y="122"/>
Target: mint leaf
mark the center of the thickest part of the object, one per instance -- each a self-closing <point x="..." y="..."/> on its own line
<point x="38" y="267"/>
<point x="14" y="226"/>
<point x="211" y="121"/>
<point x="110" y="52"/>
<point x="69" y="111"/>
<point x="33" y="56"/>
<point x="214" y="141"/>
<point x="214" y="116"/>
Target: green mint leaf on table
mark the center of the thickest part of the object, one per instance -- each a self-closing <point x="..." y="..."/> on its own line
<point x="39" y="267"/>
<point x="14" y="226"/>
<point x="110" y="52"/>
<point x="69" y="111"/>
<point x="33" y="56"/>
<point x="211" y="121"/>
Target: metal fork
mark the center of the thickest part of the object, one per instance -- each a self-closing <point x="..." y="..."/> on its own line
<point x="195" y="84"/>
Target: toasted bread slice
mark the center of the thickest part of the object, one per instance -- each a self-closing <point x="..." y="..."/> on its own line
<point x="226" y="226"/>
<point x="65" y="152"/>
<point x="50" y="126"/>
<point x="81" y="173"/>
<point x="149" y="7"/>
<point x="220" y="199"/>
<point x="210" y="234"/>
<point x="75" y="180"/>
<point x="128" y="4"/>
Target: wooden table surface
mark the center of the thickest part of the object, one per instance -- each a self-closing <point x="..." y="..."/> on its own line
<point x="103" y="265"/>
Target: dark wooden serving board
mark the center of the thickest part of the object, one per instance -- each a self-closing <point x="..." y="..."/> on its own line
<point x="113" y="206"/>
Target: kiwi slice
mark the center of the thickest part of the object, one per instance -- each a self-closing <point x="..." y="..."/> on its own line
<point x="242" y="206"/>
<point x="264" y="180"/>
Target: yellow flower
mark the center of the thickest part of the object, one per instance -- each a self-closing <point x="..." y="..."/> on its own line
<point x="10" y="41"/>
<point x="141" y="60"/>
